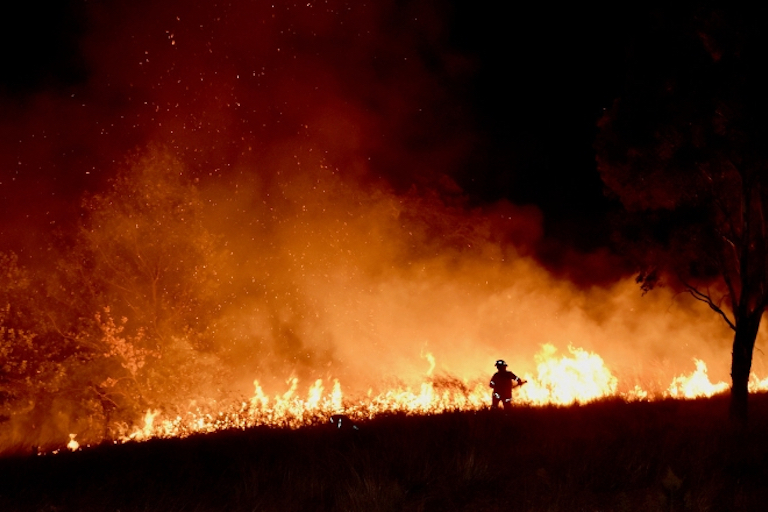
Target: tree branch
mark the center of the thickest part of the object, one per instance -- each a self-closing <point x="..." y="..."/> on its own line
<point x="703" y="297"/>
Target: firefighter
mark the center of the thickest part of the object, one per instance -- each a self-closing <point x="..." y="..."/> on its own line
<point x="502" y="383"/>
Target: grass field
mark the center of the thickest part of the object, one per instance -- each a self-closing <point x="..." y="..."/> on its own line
<point x="606" y="456"/>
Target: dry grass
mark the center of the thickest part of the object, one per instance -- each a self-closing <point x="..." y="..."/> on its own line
<point x="607" y="456"/>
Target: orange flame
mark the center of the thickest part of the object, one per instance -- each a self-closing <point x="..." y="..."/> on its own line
<point x="695" y="385"/>
<point x="579" y="377"/>
<point x="72" y="444"/>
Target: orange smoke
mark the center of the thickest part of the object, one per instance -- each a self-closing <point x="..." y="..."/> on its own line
<point x="299" y="229"/>
<point x="375" y="300"/>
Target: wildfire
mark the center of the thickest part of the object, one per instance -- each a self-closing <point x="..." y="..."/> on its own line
<point x="578" y="377"/>
<point x="72" y="444"/>
<point x="695" y="385"/>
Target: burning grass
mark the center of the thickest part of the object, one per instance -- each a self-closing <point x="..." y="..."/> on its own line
<point x="607" y="455"/>
<point x="562" y="381"/>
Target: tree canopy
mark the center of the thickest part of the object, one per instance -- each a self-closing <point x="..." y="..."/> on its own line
<point x="684" y="150"/>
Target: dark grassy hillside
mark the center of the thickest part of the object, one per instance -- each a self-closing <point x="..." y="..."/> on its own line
<point x="607" y="456"/>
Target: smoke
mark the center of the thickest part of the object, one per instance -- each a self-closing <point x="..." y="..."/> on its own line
<point x="322" y="142"/>
<point x="323" y="277"/>
<point x="373" y="88"/>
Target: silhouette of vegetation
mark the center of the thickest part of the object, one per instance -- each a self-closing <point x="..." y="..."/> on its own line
<point x="645" y="456"/>
<point x="684" y="150"/>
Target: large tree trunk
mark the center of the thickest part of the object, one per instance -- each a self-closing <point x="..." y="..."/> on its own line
<point x="741" y="364"/>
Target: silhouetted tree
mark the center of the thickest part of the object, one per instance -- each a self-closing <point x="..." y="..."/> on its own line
<point x="684" y="149"/>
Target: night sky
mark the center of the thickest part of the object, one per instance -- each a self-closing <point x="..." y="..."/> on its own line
<point x="430" y="94"/>
<point x="339" y="189"/>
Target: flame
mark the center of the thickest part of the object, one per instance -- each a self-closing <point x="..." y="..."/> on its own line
<point x="577" y="377"/>
<point x="72" y="444"/>
<point x="756" y="385"/>
<point x="695" y="385"/>
<point x="431" y="358"/>
<point x="581" y="378"/>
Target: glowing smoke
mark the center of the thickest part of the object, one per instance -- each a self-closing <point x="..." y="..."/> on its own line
<point x="318" y="277"/>
<point x="317" y="144"/>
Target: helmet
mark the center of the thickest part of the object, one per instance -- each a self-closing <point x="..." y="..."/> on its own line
<point x="500" y="363"/>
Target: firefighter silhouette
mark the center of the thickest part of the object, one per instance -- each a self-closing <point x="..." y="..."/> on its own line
<point x="502" y="382"/>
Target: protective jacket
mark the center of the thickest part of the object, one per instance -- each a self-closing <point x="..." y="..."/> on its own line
<point x="502" y="384"/>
